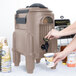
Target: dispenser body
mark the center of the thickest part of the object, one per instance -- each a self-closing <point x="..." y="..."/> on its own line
<point x="31" y="26"/>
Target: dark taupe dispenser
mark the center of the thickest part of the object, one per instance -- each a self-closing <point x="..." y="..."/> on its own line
<point x="31" y="26"/>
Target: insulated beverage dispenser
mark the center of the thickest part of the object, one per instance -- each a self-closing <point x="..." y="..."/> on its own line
<point x="31" y="26"/>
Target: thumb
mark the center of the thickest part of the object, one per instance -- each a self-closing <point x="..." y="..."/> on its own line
<point x="52" y="37"/>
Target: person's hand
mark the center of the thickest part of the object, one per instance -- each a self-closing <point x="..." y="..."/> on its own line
<point x="59" y="56"/>
<point x="52" y="34"/>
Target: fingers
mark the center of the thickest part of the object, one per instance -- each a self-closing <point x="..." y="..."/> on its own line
<point x="55" y="55"/>
<point x="49" y="36"/>
<point x="57" y="61"/>
<point x="46" y="36"/>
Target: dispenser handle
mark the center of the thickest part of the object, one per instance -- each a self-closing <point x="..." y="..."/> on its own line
<point x="21" y="20"/>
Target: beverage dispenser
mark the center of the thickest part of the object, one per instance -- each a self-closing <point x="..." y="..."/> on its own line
<point x="31" y="26"/>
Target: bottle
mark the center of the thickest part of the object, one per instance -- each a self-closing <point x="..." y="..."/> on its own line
<point x="64" y="61"/>
<point x="64" y="43"/>
<point x="6" y="59"/>
<point x="71" y="59"/>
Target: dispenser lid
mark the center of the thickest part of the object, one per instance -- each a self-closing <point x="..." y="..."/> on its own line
<point x="37" y="5"/>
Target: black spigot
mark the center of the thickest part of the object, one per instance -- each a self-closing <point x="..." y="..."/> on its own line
<point x="46" y="45"/>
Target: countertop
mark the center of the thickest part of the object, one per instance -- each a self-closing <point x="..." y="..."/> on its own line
<point x="41" y="70"/>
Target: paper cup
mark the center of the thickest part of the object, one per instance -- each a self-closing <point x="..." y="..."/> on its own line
<point x="49" y="59"/>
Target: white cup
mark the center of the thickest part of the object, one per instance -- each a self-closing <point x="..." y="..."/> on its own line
<point x="49" y="59"/>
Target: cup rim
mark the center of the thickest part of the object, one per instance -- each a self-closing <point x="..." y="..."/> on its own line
<point x="48" y="54"/>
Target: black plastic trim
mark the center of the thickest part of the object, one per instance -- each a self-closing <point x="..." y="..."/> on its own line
<point x="21" y="20"/>
<point x="37" y="5"/>
<point x="62" y="22"/>
<point x="22" y="11"/>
